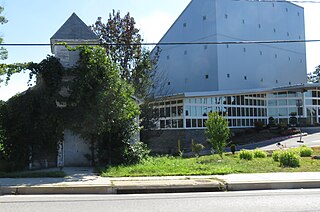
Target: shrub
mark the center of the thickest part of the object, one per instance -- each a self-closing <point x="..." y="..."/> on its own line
<point x="276" y="155"/>
<point x="197" y="148"/>
<point x="217" y="132"/>
<point x="289" y="159"/>
<point x="305" y="151"/>
<point x="258" y="125"/>
<point x="135" y="153"/>
<point x="233" y="148"/>
<point x="272" y="122"/>
<point x="258" y="153"/>
<point x="246" y="154"/>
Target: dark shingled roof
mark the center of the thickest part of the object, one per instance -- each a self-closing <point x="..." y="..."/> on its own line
<point x="74" y="28"/>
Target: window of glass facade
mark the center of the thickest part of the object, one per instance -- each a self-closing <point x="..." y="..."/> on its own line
<point x="240" y="110"/>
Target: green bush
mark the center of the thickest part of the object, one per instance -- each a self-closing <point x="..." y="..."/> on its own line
<point x="135" y="153"/>
<point x="197" y="148"/>
<point x="276" y="155"/>
<point x="258" y="125"/>
<point x="305" y="151"/>
<point x="233" y="148"/>
<point x="289" y="159"/>
<point x="246" y="154"/>
<point x="258" y="153"/>
<point x="217" y="132"/>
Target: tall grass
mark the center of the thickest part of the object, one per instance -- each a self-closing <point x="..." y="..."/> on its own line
<point x="207" y="165"/>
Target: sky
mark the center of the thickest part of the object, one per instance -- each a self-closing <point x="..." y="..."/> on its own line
<point x="35" y="21"/>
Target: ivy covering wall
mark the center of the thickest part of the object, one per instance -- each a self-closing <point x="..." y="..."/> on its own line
<point x="99" y="107"/>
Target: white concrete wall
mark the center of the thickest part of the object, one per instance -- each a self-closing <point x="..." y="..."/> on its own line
<point x="183" y="68"/>
<point x="263" y="65"/>
<point x="67" y="58"/>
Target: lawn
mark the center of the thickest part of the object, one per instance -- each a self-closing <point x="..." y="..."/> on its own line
<point x="208" y="165"/>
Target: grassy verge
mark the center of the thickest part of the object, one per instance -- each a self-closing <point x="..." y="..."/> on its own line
<point x="33" y="174"/>
<point x="208" y="165"/>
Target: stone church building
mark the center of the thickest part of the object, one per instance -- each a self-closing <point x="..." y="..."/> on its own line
<point x="73" y="150"/>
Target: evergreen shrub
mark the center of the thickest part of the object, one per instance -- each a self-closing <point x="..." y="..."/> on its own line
<point x="246" y="154"/>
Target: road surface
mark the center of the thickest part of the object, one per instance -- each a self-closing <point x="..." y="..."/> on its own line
<point x="279" y="200"/>
<point x="309" y="140"/>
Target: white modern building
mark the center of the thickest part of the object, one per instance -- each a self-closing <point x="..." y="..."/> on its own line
<point x="213" y="62"/>
<point x="245" y="59"/>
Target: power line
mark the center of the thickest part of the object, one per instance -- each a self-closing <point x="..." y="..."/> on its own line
<point x="165" y="43"/>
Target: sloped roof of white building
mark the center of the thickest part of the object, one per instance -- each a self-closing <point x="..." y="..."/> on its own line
<point x="303" y="87"/>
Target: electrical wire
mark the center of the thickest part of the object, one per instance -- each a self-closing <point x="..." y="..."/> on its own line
<point x="166" y="43"/>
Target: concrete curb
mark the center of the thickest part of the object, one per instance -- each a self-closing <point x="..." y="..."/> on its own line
<point x="269" y="185"/>
<point x="166" y="186"/>
<point x="120" y="187"/>
<point x="68" y="189"/>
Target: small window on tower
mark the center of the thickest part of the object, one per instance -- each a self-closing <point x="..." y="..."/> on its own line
<point x="169" y="83"/>
<point x="184" y="24"/>
<point x="228" y="75"/>
<point x="207" y="76"/>
<point x="204" y="18"/>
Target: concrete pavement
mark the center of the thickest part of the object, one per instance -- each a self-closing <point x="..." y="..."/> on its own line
<point x="84" y="181"/>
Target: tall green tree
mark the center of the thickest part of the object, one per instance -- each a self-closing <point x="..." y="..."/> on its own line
<point x="122" y="41"/>
<point x="217" y="132"/>
<point x="315" y="75"/>
<point x="101" y="108"/>
<point x="3" y="51"/>
<point x="2" y="131"/>
<point x="32" y="122"/>
<point x="101" y="105"/>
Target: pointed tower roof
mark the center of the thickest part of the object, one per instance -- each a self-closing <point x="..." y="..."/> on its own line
<point x="74" y="29"/>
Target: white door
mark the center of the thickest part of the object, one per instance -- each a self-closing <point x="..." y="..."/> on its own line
<point x="75" y="150"/>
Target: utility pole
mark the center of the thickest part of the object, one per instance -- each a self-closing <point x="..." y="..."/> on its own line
<point x="300" y="111"/>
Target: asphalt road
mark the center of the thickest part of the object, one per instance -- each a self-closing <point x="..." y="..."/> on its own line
<point x="309" y="140"/>
<point x="279" y="200"/>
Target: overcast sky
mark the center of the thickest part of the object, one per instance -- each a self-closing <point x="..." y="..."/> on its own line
<point x="35" y="21"/>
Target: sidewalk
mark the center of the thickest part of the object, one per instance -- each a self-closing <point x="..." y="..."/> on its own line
<point x="84" y="181"/>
